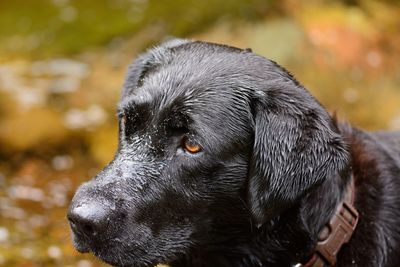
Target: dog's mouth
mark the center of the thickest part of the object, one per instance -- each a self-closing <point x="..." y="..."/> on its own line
<point x="109" y="252"/>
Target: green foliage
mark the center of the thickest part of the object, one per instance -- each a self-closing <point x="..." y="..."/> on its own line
<point x="48" y="27"/>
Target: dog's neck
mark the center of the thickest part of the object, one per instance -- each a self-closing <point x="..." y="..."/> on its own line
<point x="290" y="238"/>
<point x="299" y="229"/>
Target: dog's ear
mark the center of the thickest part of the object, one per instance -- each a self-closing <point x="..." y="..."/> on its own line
<point x="149" y="62"/>
<point x="296" y="146"/>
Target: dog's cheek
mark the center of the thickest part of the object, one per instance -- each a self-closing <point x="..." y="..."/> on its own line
<point x="220" y="194"/>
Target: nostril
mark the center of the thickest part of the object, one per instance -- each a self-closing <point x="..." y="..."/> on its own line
<point x="87" y="219"/>
<point x="72" y="222"/>
<point x="88" y="229"/>
<point x="81" y="226"/>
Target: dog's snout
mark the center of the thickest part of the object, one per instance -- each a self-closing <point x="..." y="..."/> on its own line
<point x="89" y="219"/>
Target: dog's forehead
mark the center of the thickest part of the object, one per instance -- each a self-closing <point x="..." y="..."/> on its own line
<point x="195" y="78"/>
<point x="200" y="71"/>
<point x="193" y="71"/>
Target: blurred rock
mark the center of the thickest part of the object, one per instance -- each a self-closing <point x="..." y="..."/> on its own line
<point x="395" y="123"/>
<point x="62" y="162"/>
<point x="8" y="77"/>
<point x="60" y="67"/>
<point x="64" y="85"/>
<point x="374" y="59"/>
<point x="29" y="97"/>
<point x="13" y="213"/>
<point x="350" y="95"/>
<point x="78" y="118"/>
<point x="27" y="252"/>
<point x="54" y="252"/>
<point x="57" y="194"/>
<point x="36" y="221"/>
<point x="84" y="263"/>
<point x="26" y="192"/>
<point x="4" y="234"/>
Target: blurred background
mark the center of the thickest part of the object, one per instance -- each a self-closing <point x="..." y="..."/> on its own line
<point x="62" y="65"/>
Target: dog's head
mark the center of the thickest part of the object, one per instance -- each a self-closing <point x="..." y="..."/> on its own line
<point x="213" y="140"/>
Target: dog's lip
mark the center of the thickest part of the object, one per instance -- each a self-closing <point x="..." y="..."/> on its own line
<point x="81" y="247"/>
<point x="80" y="244"/>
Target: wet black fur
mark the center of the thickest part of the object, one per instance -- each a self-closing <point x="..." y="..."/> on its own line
<point x="273" y="168"/>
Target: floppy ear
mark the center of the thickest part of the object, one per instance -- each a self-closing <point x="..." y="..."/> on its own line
<point x="296" y="146"/>
<point x="149" y="62"/>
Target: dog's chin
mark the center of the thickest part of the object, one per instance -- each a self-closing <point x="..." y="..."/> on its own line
<point x="110" y="254"/>
<point x="131" y="261"/>
<point x="121" y="252"/>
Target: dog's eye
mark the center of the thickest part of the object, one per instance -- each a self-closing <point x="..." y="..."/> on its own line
<point x="191" y="146"/>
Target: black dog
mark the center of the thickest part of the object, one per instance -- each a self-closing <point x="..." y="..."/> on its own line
<point x="225" y="159"/>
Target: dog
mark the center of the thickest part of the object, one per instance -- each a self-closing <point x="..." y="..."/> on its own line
<point x="224" y="159"/>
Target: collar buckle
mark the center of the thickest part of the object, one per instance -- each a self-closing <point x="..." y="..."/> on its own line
<point x="339" y="231"/>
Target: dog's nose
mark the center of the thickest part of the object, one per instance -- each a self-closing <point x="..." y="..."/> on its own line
<point x="89" y="219"/>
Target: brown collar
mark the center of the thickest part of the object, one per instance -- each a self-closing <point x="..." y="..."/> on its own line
<point x="337" y="232"/>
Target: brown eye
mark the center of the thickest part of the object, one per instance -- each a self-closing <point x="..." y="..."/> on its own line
<point x="190" y="146"/>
